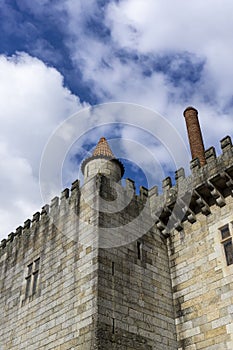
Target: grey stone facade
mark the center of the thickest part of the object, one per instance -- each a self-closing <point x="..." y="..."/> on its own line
<point x="104" y="268"/>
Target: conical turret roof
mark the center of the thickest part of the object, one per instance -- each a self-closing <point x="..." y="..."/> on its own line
<point x="103" y="149"/>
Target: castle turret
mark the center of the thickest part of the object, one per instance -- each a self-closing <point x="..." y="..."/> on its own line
<point x="195" y="135"/>
<point x="102" y="162"/>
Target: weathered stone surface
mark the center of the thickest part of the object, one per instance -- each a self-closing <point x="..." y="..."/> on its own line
<point x="109" y="269"/>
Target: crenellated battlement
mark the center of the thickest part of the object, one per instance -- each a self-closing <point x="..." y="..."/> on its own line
<point x="69" y="198"/>
<point x="47" y="211"/>
<point x="207" y="185"/>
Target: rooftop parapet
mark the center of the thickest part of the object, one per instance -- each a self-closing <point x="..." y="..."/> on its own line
<point x="46" y="211"/>
<point x="179" y="175"/>
<point x="210" y="155"/>
<point x="207" y="185"/>
<point x="130" y="185"/>
<point x="36" y="217"/>
<point x="167" y="183"/>
<point x="226" y="144"/>
<point x="143" y="192"/>
<point x="27" y="224"/>
<point x="65" y="194"/>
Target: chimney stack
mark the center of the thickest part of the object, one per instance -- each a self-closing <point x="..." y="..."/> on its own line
<point x="194" y="134"/>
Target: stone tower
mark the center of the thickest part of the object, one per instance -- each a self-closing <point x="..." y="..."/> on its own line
<point x="102" y="267"/>
<point x="102" y="162"/>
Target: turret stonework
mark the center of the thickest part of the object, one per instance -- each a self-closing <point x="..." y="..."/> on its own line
<point x="102" y="162"/>
<point x="103" y="268"/>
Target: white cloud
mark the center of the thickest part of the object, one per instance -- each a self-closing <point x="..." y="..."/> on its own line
<point x="200" y="31"/>
<point x="163" y="25"/>
<point x="33" y="102"/>
<point x="142" y="33"/>
<point x="202" y="28"/>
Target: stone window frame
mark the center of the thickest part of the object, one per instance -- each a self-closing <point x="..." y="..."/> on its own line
<point x="226" y="239"/>
<point x="32" y="279"/>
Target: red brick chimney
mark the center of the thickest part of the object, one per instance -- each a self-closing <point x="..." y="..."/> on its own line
<point x="194" y="134"/>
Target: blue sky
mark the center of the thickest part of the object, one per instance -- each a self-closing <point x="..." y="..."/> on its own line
<point x="60" y="57"/>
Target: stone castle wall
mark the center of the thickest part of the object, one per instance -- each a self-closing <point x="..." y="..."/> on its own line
<point x="135" y="305"/>
<point x="63" y="304"/>
<point x="111" y="269"/>
<point x="93" y="289"/>
<point x="202" y="282"/>
<point x="199" y="207"/>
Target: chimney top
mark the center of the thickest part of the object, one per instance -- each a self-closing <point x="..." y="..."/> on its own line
<point x="194" y="134"/>
<point x="190" y="108"/>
